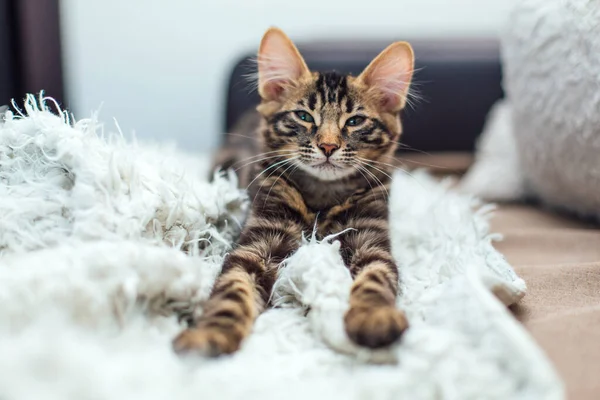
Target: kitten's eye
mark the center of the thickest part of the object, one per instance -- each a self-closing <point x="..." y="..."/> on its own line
<point x="355" y="121"/>
<point x="304" y="116"/>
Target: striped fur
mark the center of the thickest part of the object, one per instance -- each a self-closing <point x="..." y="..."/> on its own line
<point x="321" y="138"/>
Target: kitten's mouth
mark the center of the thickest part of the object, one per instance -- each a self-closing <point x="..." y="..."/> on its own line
<point x="327" y="164"/>
<point x="327" y="170"/>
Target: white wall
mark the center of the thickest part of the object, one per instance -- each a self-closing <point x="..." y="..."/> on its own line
<point x="160" y="66"/>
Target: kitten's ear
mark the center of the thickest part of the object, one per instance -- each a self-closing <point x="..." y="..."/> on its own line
<point x="280" y="64"/>
<point x="388" y="76"/>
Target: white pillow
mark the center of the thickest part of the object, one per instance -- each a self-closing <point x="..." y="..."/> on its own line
<point x="496" y="175"/>
<point x="551" y="67"/>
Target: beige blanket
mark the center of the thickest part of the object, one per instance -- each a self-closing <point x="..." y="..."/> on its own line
<point x="559" y="258"/>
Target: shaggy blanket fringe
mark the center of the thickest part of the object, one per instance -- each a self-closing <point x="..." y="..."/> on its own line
<point x="104" y="243"/>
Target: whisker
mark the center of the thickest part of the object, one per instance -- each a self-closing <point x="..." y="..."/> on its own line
<point x="283" y="164"/>
<point x="377" y="180"/>
<point x="280" y="175"/>
<point x="367" y="179"/>
<point x="398" y="169"/>
<point x="407" y="147"/>
<point x="268" y="168"/>
<point x="261" y="159"/>
<point x="367" y="163"/>
<point x="403" y="162"/>
<point x="382" y="163"/>
<point x="264" y="154"/>
<point x="270" y="152"/>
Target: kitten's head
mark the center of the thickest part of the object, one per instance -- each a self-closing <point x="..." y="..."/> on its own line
<point x="328" y="124"/>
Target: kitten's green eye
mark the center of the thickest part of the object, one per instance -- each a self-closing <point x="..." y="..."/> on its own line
<point x="355" y="121"/>
<point x="304" y="116"/>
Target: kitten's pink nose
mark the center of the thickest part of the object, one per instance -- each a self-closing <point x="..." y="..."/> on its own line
<point x="328" y="148"/>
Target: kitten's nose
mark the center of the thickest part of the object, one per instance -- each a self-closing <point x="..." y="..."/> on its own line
<point x="328" y="148"/>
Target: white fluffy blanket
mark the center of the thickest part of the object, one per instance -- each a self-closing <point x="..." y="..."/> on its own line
<point x="92" y="278"/>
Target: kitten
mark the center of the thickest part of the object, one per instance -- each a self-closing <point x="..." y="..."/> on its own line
<point x="322" y="139"/>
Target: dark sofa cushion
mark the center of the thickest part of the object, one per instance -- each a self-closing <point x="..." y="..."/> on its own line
<point x="457" y="82"/>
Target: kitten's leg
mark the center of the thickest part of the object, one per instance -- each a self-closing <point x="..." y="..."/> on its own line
<point x="372" y="319"/>
<point x="242" y="291"/>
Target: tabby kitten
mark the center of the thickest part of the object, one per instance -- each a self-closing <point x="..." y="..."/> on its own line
<point x="323" y="136"/>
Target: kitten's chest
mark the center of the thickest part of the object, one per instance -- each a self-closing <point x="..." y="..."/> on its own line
<point x="323" y="196"/>
<point x="331" y="210"/>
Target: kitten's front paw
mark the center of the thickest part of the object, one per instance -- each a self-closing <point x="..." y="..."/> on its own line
<point x="208" y="342"/>
<point x="375" y="327"/>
